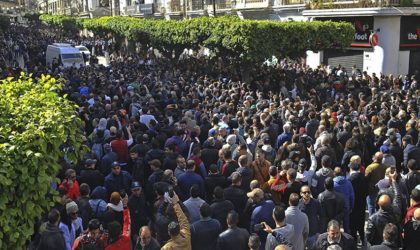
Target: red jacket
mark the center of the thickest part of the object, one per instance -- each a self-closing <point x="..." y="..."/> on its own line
<point x="120" y="147"/>
<point x="73" y="192"/>
<point x="124" y="242"/>
<point x="410" y="212"/>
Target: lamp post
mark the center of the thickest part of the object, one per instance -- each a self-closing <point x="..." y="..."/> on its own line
<point x="214" y="8"/>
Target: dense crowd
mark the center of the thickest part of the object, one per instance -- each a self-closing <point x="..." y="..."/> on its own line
<point x="186" y="155"/>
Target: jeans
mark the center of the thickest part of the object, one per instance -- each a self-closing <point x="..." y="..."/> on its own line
<point x="371" y="200"/>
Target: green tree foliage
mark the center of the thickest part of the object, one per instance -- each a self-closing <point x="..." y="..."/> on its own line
<point x="227" y="36"/>
<point x="4" y="23"/>
<point x="35" y="120"/>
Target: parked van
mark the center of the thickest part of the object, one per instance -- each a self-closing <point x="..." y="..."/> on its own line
<point x="64" y="54"/>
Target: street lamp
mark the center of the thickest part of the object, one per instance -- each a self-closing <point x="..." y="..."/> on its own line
<point x="214" y="8"/>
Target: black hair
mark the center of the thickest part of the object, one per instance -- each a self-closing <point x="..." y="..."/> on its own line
<point x="114" y="231"/>
<point x="232" y="218"/>
<point x="53" y="216"/>
<point x="329" y="183"/>
<point x="279" y="213"/>
<point x="194" y="191"/>
<point x="205" y="210"/>
<point x="84" y="189"/>
<point x="173" y="228"/>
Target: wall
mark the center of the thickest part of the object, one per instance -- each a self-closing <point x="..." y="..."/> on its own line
<point x="403" y="62"/>
<point x="386" y="54"/>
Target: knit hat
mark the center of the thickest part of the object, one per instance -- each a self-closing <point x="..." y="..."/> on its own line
<point x="71" y="207"/>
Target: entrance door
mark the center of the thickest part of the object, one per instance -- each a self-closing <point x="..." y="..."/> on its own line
<point x="414" y="61"/>
<point x="346" y="59"/>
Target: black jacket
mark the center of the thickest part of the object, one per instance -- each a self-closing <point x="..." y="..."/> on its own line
<point x="233" y="238"/>
<point x="220" y="209"/>
<point x="359" y="183"/>
<point x="138" y="212"/>
<point x="411" y="235"/>
<point x="346" y="242"/>
<point x="92" y="177"/>
<point x="332" y="207"/>
<point x="52" y="238"/>
<point x="237" y="196"/>
<point x="85" y="210"/>
<point x="376" y="224"/>
<point x="212" y="181"/>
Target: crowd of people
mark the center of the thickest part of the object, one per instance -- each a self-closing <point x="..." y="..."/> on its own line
<point x="186" y="155"/>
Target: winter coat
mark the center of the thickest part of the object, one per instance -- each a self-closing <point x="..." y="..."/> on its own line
<point x="52" y="238"/>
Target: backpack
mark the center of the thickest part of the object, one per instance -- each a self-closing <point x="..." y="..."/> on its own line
<point x="98" y="145"/>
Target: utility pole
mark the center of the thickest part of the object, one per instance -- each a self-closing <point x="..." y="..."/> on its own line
<point x="214" y="8"/>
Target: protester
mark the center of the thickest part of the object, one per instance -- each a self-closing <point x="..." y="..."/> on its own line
<point x="148" y="114"/>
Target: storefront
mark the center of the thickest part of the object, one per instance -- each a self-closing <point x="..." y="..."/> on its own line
<point x="355" y="54"/>
<point x="410" y="41"/>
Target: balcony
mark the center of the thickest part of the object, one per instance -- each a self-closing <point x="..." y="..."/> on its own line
<point x="339" y="4"/>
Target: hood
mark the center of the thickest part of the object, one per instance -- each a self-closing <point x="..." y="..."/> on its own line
<point x="99" y="193"/>
<point x="231" y="139"/>
<point x="325" y="171"/>
<point x="339" y="180"/>
<point x="102" y="124"/>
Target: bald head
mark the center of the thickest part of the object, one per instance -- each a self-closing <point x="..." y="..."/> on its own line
<point x="378" y="157"/>
<point x="417" y="214"/>
<point x="384" y="201"/>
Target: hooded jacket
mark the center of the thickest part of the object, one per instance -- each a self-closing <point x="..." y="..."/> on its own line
<point x="342" y="185"/>
<point x="318" y="180"/>
<point x="52" y="238"/>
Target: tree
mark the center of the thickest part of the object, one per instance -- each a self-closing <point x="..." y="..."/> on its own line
<point x="4" y="23"/>
<point x="35" y="121"/>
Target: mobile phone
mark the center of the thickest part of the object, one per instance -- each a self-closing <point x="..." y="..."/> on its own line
<point x="171" y="191"/>
<point x="122" y="193"/>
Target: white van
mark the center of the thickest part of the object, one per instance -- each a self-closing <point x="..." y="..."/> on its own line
<point x="64" y="54"/>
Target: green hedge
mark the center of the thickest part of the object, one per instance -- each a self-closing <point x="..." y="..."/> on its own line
<point x="244" y="40"/>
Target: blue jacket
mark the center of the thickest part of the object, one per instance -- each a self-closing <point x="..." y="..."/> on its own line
<point x="263" y="211"/>
<point x="116" y="183"/>
<point x="343" y="186"/>
<point x="282" y="138"/>
<point x="187" y="180"/>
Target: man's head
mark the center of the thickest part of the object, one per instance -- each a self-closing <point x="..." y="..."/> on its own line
<point x="243" y="160"/>
<point x="94" y="228"/>
<point x="326" y="161"/>
<point x="180" y="162"/>
<point x="329" y="183"/>
<point x="272" y="171"/>
<point x="194" y="191"/>
<point x="378" y="157"/>
<point x="236" y="179"/>
<point x="134" y="154"/>
<point x="227" y="154"/>
<point x="205" y="210"/>
<point x="279" y="214"/>
<point x="390" y="233"/>
<point x="294" y="199"/>
<point x="54" y="217"/>
<point x="338" y="171"/>
<point x="384" y="202"/>
<point x="116" y="168"/>
<point x="145" y="235"/>
<point x="254" y="242"/>
<point x="415" y="197"/>
<point x="72" y="210"/>
<point x="232" y="218"/>
<point x="84" y="189"/>
<point x="190" y="165"/>
<point x="155" y="164"/>
<point x="291" y="174"/>
<point x="305" y="192"/>
<point x="136" y="188"/>
<point x="90" y="163"/>
<point x="333" y="231"/>
<point x="70" y="174"/>
<point x="260" y="155"/>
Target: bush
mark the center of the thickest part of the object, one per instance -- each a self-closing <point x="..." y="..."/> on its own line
<point x="35" y="121"/>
